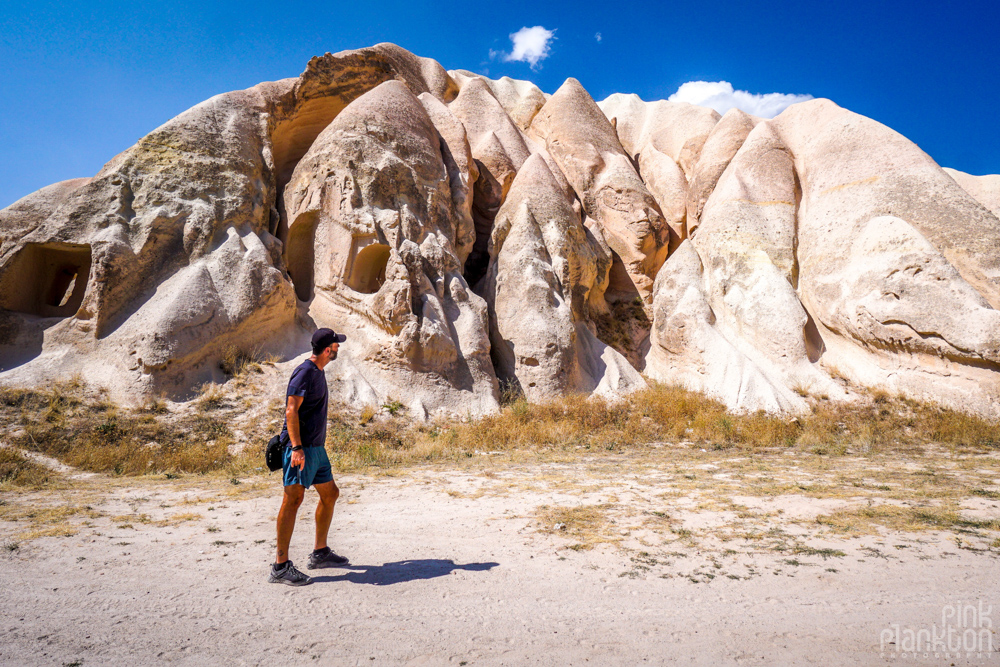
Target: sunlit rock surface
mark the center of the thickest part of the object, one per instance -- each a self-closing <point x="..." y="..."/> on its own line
<point x="470" y="235"/>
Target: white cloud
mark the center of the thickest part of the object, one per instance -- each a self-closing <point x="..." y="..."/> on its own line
<point x="597" y="36"/>
<point x="531" y="45"/>
<point x="721" y="96"/>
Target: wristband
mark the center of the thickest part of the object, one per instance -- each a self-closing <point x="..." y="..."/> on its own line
<point x="297" y="449"/>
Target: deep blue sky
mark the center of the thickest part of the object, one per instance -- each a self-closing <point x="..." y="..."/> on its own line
<point x="80" y="82"/>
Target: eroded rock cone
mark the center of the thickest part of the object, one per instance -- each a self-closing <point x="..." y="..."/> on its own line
<point x="547" y="271"/>
<point x="832" y="247"/>
<point x="376" y="230"/>
<point x="462" y="230"/>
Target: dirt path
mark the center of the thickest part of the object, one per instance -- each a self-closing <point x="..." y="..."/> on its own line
<point x="456" y="567"/>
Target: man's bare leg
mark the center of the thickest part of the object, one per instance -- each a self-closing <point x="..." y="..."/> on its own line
<point x="286" y="519"/>
<point x="328" y="494"/>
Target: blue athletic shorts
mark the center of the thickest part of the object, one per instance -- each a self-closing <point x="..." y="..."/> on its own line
<point x="316" y="470"/>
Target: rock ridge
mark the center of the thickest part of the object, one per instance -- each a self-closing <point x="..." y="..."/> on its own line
<point x="472" y="235"/>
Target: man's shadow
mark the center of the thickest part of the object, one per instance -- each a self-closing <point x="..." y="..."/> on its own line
<point x="400" y="571"/>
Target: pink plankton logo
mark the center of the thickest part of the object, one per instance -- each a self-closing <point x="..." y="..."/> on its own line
<point x="966" y="631"/>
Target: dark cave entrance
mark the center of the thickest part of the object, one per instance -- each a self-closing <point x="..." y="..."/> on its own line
<point x="46" y="279"/>
<point x="300" y="254"/>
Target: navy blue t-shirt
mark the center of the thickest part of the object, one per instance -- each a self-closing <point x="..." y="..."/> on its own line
<point x="309" y="382"/>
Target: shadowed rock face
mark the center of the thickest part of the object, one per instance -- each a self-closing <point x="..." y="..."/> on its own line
<point x="464" y="232"/>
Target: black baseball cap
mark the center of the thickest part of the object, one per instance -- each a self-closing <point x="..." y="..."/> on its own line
<point x="324" y="338"/>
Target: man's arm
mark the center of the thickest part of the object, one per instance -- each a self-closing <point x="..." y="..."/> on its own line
<point x="292" y="420"/>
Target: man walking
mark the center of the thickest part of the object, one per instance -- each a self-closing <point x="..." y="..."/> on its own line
<point x="306" y="463"/>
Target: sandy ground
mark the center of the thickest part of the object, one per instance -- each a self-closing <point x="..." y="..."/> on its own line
<point x="459" y="567"/>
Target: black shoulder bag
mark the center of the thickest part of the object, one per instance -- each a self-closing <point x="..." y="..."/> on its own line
<point x="274" y="453"/>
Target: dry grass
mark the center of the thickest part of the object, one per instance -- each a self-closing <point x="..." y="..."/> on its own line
<point x="89" y="432"/>
<point x="46" y="521"/>
<point x="887" y="423"/>
<point x="124" y="444"/>
<point x="65" y="530"/>
<point x="586" y="524"/>
<point x="237" y="361"/>
<point x="867" y="520"/>
<point x="18" y="471"/>
<point x="658" y="414"/>
<point x="178" y="519"/>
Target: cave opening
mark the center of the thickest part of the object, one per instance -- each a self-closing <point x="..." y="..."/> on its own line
<point x="367" y="271"/>
<point x="46" y="279"/>
<point x="620" y="285"/>
<point x="815" y="347"/>
<point x="300" y="254"/>
<point x="478" y="261"/>
<point x="487" y="196"/>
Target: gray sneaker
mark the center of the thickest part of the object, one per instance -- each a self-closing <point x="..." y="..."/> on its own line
<point x="325" y="558"/>
<point x="289" y="576"/>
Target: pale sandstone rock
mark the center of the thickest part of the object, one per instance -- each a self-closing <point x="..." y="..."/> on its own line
<point x="586" y="148"/>
<point x="462" y="170"/>
<point x="167" y="207"/>
<point x="984" y="189"/>
<point x="520" y="99"/>
<point x="853" y="168"/>
<point x="374" y="221"/>
<point x="747" y="242"/>
<point x="676" y="129"/>
<point x="24" y="215"/>
<point x="718" y="151"/>
<point x="545" y="270"/>
<point x="805" y="272"/>
<point x="140" y="261"/>
<point x="667" y="185"/>
<point x="895" y="258"/>
<point x="689" y="349"/>
<point x="665" y="139"/>
<point x="499" y="149"/>
<point x="366" y="193"/>
<point x="747" y="238"/>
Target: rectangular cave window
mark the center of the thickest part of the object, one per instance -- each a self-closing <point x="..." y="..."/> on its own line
<point x="46" y="279"/>
<point x="300" y="254"/>
<point x="367" y="272"/>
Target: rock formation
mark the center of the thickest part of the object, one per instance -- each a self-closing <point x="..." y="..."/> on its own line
<point x="469" y="234"/>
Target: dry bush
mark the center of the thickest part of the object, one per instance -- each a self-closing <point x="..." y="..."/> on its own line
<point x="18" y="471"/>
<point x="154" y="406"/>
<point x="210" y="397"/>
<point x="510" y="391"/>
<point x="368" y="414"/>
<point x="237" y="362"/>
